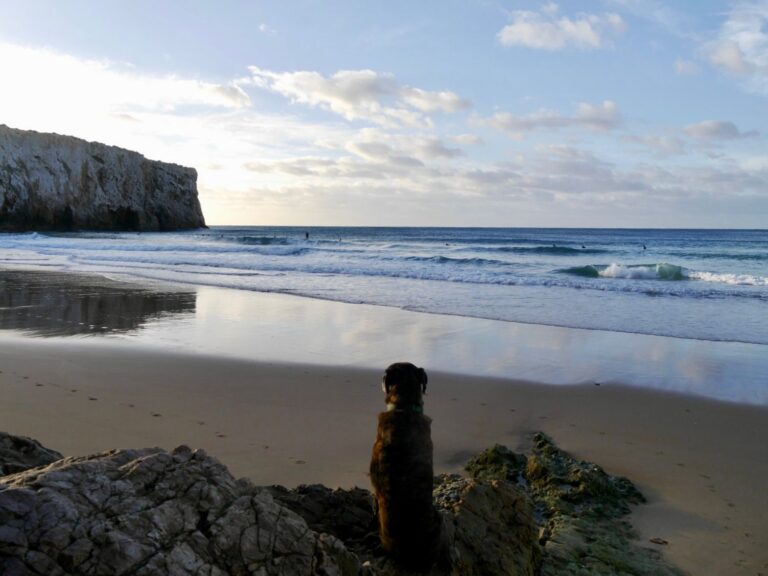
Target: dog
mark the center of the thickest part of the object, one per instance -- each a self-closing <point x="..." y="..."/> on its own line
<point x="402" y="472"/>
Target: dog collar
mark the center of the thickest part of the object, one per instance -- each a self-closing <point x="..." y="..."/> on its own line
<point x="408" y="408"/>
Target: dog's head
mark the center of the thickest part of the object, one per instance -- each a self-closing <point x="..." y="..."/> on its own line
<point x="404" y="383"/>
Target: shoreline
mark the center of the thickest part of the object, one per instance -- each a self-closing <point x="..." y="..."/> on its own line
<point x="700" y="463"/>
<point x="276" y="327"/>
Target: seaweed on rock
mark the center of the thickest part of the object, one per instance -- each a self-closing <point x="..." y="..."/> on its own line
<point x="580" y="511"/>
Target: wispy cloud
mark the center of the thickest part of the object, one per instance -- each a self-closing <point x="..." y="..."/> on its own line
<point x="601" y="117"/>
<point x="686" y="67"/>
<point x="360" y="95"/>
<point x="741" y="46"/>
<point x="717" y="130"/>
<point x="548" y="30"/>
<point x="43" y="77"/>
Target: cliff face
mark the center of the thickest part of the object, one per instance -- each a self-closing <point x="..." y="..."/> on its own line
<point x="53" y="182"/>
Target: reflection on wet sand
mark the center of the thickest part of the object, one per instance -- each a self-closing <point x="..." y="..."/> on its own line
<point x="56" y="304"/>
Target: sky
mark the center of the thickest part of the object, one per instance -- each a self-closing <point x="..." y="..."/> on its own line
<point x="603" y="113"/>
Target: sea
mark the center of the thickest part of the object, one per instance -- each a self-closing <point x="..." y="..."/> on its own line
<point x="705" y="285"/>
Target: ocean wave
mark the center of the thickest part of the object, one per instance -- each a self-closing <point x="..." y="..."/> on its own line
<point x="662" y="271"/>
<point x="732" y="279"/>
<point x="548" y="250"/>
<point x="257" y="240"/>
<point x="459" y="261"/>
<point x="748" y="256"/>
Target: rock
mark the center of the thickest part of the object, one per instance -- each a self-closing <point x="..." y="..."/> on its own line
<point x="346" y="514"/>
<point x="19" y="453"/>
<point x="147" y="512"/>
<point x="53" y="182"/>
<point x="488" y="526"/>
<point x="580" y="511"/>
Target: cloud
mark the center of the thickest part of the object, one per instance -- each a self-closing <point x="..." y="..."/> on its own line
<point x="600" y="117"/>
<point x="661" y="146"/>
<point x="467" y="139"/>
<point x="267" y="29"/>
<point x="717" y="130"/>
<point x="728" y="56"/>
<point x="741" y="46"/>
<point x="433" y="101"/>
<point x="686" y="67"/>
<point x="659" y="13"/>
<point x="547" y="30"/>
<point x="360" y="95"/>
<point x="370" y="155"/>
<point x="39" y="81"/>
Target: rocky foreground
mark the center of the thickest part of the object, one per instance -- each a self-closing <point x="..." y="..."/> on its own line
<point x="147" y="512"/>
<point x="54" y="182"/>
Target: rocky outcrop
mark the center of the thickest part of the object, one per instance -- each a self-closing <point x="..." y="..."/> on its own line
<point x="53" y="182"/>
<point x="147" y="512"/>
<point x="580" y="509"/>
<point x="150" y="512"/>
<point x="19" y="453"/>
<point x="487" y="525"/>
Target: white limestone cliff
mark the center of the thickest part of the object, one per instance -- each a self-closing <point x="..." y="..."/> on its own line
<point x="54" y="182"/>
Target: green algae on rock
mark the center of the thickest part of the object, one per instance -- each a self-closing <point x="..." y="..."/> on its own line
<point x="580" y="510"/>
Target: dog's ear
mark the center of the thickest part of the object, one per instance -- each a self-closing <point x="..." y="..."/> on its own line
<point x="423" y="379"/>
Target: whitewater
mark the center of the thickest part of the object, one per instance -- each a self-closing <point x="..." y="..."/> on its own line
<point x="696" y="284"/>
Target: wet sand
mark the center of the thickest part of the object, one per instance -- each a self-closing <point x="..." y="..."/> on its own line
<point x="702" y="464"/>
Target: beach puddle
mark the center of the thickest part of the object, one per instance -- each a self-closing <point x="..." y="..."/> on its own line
<point x="54" y="304"/>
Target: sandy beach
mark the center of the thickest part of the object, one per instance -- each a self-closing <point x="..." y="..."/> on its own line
<point x="701" y="463"/>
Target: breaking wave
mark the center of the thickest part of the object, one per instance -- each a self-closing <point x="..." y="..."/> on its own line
<point x="662" y="271"/>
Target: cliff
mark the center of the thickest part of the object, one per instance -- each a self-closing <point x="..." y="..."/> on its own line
<point x="53" y="182"/>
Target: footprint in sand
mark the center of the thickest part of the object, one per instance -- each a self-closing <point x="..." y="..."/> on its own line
<point x="25" y="378"/>
<point x="156" y="415"/>
<point x="221" y="435"/>
<point x="131" y="405"/>
<point x="92" y="399"/>
<point x="38" y="384"/>
<point x="266" y="447"/>
<point x="201" y="423"/>
<point x="300" y="462"/>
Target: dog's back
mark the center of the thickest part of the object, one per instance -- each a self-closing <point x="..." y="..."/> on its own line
<point x="402" y="477"/>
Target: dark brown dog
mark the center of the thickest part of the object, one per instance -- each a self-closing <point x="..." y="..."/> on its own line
<point x="401" y="471"/>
